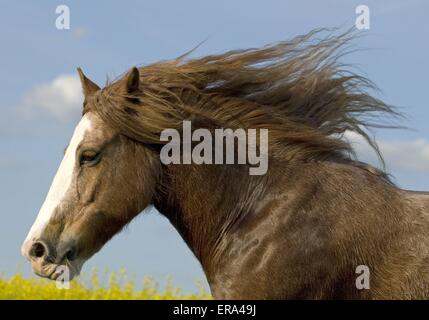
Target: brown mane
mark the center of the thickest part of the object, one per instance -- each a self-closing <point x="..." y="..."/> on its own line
<point x="297" y="89"/>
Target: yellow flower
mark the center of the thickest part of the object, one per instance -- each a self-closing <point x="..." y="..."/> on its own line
<point x="120" y="287"/>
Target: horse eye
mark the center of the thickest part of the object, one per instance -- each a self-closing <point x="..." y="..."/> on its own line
<point x="89" y="158"/>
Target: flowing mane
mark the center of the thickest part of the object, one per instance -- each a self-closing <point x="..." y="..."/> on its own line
<point x="297" y="89"/>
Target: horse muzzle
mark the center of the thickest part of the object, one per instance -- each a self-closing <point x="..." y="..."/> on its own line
<point x="50" y="262"/>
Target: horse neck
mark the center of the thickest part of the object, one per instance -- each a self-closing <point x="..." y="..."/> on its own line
<point x="205" y="203"/>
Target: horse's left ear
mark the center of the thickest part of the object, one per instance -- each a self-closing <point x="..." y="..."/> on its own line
<point x="88" y="86"/>
<point x="131" y="81"/>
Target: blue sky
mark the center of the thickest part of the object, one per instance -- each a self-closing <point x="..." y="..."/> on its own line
<point x="40" y="97"/>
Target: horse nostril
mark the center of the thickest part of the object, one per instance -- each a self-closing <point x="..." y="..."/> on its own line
<point x="38" y="250"/>
<point x="71" y="254"/>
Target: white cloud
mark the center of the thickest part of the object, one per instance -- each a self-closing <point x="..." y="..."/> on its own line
<point x="60" y="98"/>
<point x="410" y="155"/>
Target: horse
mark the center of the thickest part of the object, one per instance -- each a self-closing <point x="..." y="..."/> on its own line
<point x="302" y="230"/>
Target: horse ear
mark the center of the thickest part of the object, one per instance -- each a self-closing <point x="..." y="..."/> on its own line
<point x="131" y="81"/>
<point x="88" y="86"/>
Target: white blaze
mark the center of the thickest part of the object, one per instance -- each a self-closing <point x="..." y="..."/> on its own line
<point x="61" y="182"/>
